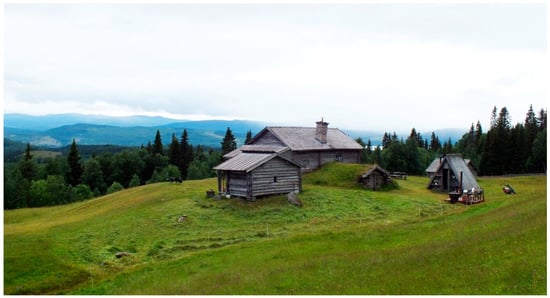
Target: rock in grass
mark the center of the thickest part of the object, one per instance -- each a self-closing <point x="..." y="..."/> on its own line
<point x="121" y="254"/>
<point x="293" y="199"/>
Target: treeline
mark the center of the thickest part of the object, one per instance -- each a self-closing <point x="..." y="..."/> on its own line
<point x="63" y="180"/>
<point x="503" y="149"/>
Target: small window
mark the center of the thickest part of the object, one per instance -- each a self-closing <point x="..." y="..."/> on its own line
<point x="274" y="179"/>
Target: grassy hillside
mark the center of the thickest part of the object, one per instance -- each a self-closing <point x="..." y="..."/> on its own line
<point x="345" y="240"/>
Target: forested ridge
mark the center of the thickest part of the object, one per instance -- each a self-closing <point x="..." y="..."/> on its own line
<point x="34" y="181"/>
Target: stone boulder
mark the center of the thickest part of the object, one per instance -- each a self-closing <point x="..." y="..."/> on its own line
<point x="294" y="199"/>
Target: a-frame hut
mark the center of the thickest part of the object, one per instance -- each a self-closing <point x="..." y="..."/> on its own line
<point x="453" y="174"/>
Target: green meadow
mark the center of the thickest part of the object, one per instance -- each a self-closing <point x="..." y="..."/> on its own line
<point x="344" y="240"/>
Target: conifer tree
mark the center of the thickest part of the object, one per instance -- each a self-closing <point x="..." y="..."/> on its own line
<point x="186" y="154"/>
<point x="369" y="147"/>
<point x="157" y="144"/>
<point x="542" y="119"/>
<point x="248" y="137"/>
<point x="27" y="166"/>
<point x="28" y="155"/>
<point x="478" y="133"/>
<point x="228" y="144"/>
<point x="386" y="140"/>
<point x="435" y="144"/>
<point x="174" y="151"/>
<point x="75" y="169"/>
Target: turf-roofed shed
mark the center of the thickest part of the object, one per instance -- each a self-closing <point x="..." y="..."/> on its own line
<point x="259" y="172"/>
<point x="375" y="178"/>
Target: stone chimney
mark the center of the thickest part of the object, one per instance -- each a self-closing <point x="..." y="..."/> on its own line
<point x="321" y="131"/>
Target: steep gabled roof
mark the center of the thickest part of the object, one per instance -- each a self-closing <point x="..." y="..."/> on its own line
<point x="376" y="168"/>
<point x="303" y="138"/>
<point x="246" y="162"/>
<point x="432" y="168"/>
<point x="458" y="165"/>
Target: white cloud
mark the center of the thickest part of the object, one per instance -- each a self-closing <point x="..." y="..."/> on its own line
<point x="360" y="66"/>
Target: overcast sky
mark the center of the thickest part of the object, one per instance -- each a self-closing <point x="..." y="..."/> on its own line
<point x="360" y="66"/>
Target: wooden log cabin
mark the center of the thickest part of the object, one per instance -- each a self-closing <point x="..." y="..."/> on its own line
<point x="258" y="172"/>
<point x="310" y="147"/>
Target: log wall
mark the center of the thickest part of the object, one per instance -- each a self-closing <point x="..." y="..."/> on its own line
<point x="276" y="176"/>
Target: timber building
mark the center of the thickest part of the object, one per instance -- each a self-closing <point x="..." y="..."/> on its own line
<point x="453" y="173"/>
<point x="273" y="161"/>
<point x="310" y="147"/>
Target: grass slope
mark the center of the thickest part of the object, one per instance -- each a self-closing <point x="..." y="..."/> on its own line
<point x="345" y="240"/>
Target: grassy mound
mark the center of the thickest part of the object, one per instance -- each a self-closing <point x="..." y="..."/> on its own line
<point x="344" y="240"/>
<point x="341" y="175"/>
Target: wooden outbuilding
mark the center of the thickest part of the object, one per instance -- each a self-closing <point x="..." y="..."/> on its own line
<point x="375" y="178"/>
<point x="453" y="174"/>
<point x="252" y="174"/>
<point x="310" y="147"/>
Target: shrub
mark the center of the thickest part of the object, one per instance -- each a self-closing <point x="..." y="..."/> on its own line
<point x="114" y="188"/>
<point x="135" y="181"/>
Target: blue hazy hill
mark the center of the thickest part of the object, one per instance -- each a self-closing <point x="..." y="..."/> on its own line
<point x="60" y="130"/>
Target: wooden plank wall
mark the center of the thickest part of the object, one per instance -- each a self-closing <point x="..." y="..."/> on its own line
<point x="287" y="178"/>
<point x="237" y="184"/>
<point x="314" y="159"/>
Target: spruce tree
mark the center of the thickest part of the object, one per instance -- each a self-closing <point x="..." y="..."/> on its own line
<point x="478" y="133"/>
<point x="75" y="169"/>
<point x="157" y="144"/>
<point x="186" y="154"/>
<point x="228" y="144"/>
<point x="27" y="166"/>
<point x="248" y="137"/>
<point x="386" y="140"/>
<point x="28" y="155"/>
<point x="174" y="151"/>
<point x="435" y="145"/>
<point x="542" y="120"/>
<point x="369" y="147"/>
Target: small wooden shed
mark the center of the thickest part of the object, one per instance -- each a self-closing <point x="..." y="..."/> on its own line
<point x="375" y="178"/>
<point x="252" y="174"/>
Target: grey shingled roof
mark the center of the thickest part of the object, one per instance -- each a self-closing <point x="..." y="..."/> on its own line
<point x="246" y="162"/>
<point x="457" y="165"/>
<point x="256" y="149"/>
<point x="303" y="138"/>
<point x="432" y="168"/>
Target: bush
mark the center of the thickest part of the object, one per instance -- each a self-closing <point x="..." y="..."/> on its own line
<point x="82" y="192"/>
<point x="49" y="192"/>
<point x="114" y="188"/>
<point x="135" y="181"/>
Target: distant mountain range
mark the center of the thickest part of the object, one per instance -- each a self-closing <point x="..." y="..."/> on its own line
<point x="59" y="130"/>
